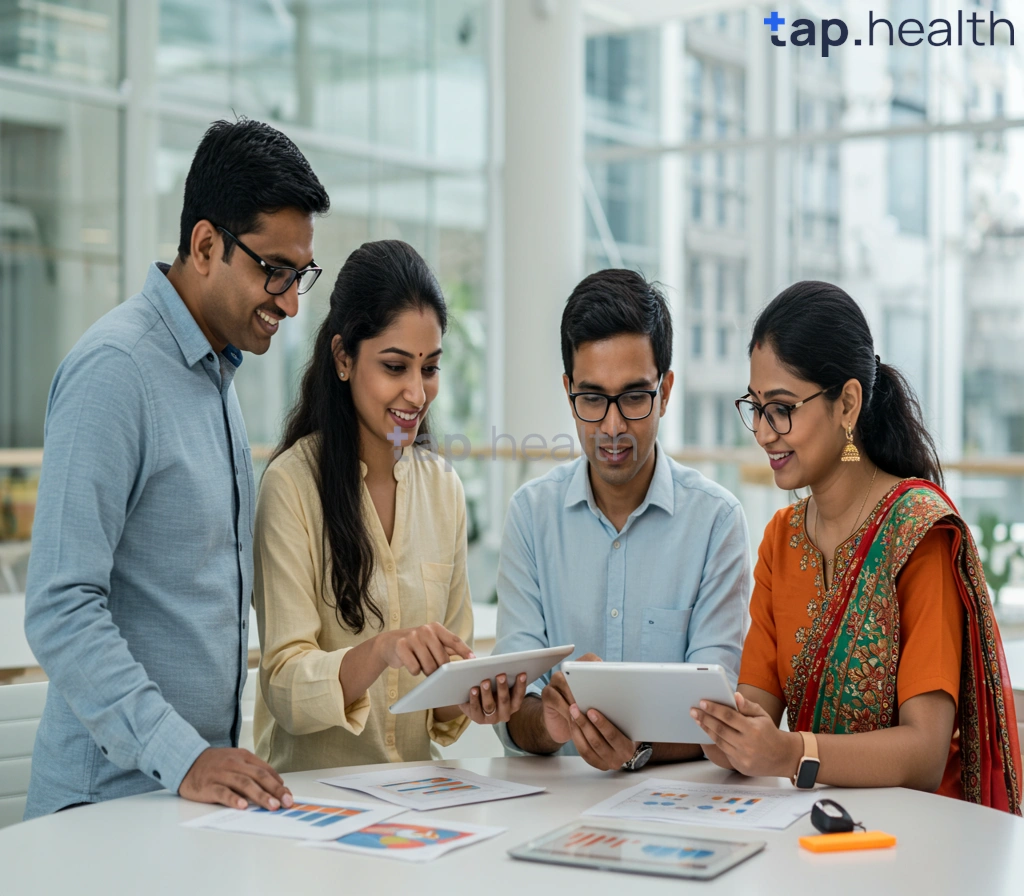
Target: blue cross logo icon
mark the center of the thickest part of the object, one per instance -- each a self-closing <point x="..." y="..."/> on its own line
<point x="775" y="20"/>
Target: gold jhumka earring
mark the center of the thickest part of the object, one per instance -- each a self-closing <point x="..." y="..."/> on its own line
<point x="850" y="453"/>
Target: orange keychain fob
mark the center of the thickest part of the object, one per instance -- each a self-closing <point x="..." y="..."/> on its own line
<point x="846" y="842"/>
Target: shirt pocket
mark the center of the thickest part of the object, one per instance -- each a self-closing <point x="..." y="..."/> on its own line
<point x="437" y="583"/>
<point x="663" y="636"/>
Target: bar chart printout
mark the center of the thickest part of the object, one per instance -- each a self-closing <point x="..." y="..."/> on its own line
<point x="720" y="805"/>
<point x="307" y="819"/>
<point x="431" y="787"/>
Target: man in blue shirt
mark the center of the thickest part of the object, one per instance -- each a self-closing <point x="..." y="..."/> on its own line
<point x="623" y="552"/>
<point x="140" y="577"/>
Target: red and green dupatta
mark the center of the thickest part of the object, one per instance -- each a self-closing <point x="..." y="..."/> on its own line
<point x="844" y="679"/>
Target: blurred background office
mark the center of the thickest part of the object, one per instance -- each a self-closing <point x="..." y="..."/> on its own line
<point x="519" y="144"/>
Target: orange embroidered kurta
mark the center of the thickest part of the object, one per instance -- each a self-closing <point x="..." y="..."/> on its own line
<point x="788" y="592"/>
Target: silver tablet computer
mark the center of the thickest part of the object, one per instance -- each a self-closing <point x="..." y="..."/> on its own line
<point x="649" y="701"/>
<point x="640" y="849"/>
<point x="450" y="684"/>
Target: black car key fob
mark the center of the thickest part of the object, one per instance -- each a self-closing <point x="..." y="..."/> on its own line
<point x="831" y="818"/>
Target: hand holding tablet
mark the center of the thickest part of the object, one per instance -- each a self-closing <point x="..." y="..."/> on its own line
<point x="649" y="701"/>
<point x="452" y="683"/>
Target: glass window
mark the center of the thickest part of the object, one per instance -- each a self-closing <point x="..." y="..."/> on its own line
<point x="71" y="40"/>
<point x="60" y="261"/>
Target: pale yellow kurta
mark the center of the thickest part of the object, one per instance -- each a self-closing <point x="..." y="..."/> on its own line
<point x="301" y="719"/>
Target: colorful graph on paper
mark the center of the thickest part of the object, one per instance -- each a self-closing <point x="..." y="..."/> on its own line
<point x="679" y="801"/>
<point x="721" y="805"/>
<point x="306" y="819"/>
<point x="392" y="836"/>
<point x="312" y="814"/>
<point x="430" y="786"/>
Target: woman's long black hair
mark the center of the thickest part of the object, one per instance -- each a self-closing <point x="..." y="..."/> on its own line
<point x="378" y="282"/>
<point x="822" y="336"/>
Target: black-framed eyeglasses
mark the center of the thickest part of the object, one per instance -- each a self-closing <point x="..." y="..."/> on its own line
<point x="777" y="413"/>
<point x="279" y="278"/>
<point x="636" y="404"/>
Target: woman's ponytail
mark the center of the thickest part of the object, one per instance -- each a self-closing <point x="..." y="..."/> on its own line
<point x="893" y="431"/>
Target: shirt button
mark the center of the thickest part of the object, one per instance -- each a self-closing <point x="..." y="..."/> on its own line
<point x="615" y="614"/>
<point x="239" y="548"/>
<point x="209" y="357"/>
<point x="394" y="617"/>
<point x="390" y="567"/>
<point x="392" y="693"/>
<point x="390" y="740"/>
<point x="616" y="545"/>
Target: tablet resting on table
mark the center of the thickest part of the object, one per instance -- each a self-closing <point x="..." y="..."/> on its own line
<point x="650" y="701"/>
<point x="450" y="684"/>
<point x="641" y="849"/>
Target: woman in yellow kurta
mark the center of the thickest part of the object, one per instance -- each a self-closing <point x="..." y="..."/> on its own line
<point x="360" y="540"/>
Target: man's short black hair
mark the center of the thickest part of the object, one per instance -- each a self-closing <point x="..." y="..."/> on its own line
<point x="241" y="170"/>
<point x="613" y="302"/>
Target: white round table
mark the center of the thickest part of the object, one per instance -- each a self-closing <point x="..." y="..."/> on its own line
<point x="138" y="846"/>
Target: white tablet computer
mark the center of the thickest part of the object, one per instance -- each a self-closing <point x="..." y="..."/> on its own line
<point x="450" y="684"/>
<point x="641" y="849"/>
<point x="649" y="701"/>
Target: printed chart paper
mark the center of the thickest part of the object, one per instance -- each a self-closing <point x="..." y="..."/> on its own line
<point x="411" y="839"/>
<point x="721" y="805"/>
<point x="307" y="819"/>
<point x="431" y="787"/>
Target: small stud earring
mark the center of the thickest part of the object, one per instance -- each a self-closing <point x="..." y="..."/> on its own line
<point x="342" y="375"/>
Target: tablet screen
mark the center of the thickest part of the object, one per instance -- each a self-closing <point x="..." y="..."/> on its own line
<point x="625" y="848"/>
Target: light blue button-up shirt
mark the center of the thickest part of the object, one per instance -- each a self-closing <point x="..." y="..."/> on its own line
<point x="140" y="576"/>
<point x="672" y="586"/>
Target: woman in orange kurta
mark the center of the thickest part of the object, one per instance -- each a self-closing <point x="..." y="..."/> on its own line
<point x="870" y="620"/>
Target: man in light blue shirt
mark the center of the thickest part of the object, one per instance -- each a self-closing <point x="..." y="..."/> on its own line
<point x="623" y="552"/>
<point x="141" y="573"/>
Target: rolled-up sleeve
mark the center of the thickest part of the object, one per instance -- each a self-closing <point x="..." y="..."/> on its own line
<point x="100" y="447"/>
<point x="299" y="681"/>
<point x="719" y="614"/>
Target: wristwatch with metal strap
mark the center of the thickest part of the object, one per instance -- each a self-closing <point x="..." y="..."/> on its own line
<point x="640" y="757"/>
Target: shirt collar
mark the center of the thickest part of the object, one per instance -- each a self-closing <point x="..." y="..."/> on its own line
<point x="410" y="454"/>
<point x="171" y="307"/>
<point x="661" y="491"/>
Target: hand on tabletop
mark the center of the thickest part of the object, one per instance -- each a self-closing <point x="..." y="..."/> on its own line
<point x="422" y="649"/>
<point x="747" y="739"/>
<point x="234" y="778"/>
<point x="489" y="706"/>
